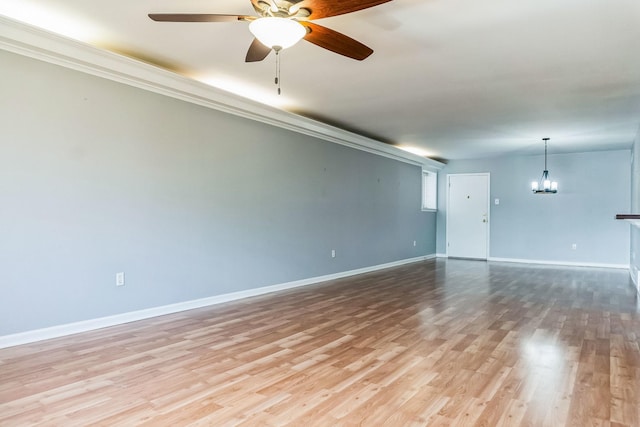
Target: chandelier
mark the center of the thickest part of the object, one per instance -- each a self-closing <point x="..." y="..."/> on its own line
<point x="544" y="185"/>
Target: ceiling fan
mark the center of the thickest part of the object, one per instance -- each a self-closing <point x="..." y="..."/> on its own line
<point x="282" y="23"/>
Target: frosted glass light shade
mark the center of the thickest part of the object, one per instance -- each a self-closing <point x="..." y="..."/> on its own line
<point x="534" y="185"/>
<point x="554" y="186"/>
<point x="546" y="184"/>
<point x="277" y="32"/>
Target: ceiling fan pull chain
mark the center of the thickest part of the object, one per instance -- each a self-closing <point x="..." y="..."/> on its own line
<point x="277" y="80"/>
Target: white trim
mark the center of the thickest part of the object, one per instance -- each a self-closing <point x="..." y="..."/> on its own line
<point x="43" y="45"/>
<point x="566" y="263"/>
<point x="429" y="177"/>
<point x="488" y="214"/>
<point x="635" y="277"/>
<point x="132" y="316"/>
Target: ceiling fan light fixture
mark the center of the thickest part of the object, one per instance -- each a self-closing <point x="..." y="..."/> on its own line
<point x="277" y="32"/>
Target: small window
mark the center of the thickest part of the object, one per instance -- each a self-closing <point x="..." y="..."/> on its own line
<point x="429" y="191"/>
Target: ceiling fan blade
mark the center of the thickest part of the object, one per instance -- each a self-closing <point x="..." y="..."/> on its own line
<point x="326" y="8"/>
<point x="257" y="52"/>
<point x="198" y="17"/>
<point x="335" y="41"/>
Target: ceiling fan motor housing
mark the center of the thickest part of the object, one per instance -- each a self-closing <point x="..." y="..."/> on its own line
<point x="281" y="9"/>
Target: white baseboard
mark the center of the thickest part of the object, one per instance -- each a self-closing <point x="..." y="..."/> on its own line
<point x="566" y="263"/>
<point x="441" y="255"/>
<point x="635" y="277"/>
<point x="118" y="319"/>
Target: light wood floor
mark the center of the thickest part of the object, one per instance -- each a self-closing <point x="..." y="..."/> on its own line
<point x="433" y="343"/>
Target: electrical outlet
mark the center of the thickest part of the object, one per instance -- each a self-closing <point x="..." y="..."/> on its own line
<point x="497" y="201"/>
<point x="574" y="246"/>
<point x="120" y="279"/>
<point x="333" y="253"/>
<point x="414" y="243"/>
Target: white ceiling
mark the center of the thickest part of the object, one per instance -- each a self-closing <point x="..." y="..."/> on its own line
<point x="457" y="78"/>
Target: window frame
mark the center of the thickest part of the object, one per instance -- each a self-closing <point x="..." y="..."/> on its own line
<point x="429" y="191"/>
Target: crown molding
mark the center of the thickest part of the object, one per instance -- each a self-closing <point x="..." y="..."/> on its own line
<point x="26" y="40"/>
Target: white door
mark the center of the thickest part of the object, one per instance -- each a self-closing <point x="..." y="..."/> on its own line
<point x="468" y="215"/>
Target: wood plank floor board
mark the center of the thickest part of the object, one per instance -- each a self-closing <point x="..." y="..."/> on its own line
<point x="434" y="343"/>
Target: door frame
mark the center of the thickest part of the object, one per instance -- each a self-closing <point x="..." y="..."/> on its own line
<point x="488" y="175"/>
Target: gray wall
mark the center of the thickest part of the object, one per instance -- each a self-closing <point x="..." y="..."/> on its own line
<point x="98" y="177"/>
<point x="635" y="208"/>
<point x="593" y="187"/>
